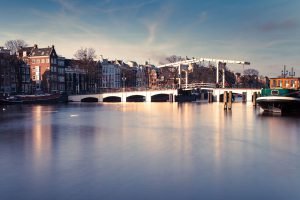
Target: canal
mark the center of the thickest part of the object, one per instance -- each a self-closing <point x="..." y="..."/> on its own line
<point x="148" y="151"/>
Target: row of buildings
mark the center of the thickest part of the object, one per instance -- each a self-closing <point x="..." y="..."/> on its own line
<point x="40" y="70"/>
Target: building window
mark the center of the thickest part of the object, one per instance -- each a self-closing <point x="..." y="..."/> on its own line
<point x="33" y="60"/>
<point x="38" y="61"/>
<point x="47" y="60"/>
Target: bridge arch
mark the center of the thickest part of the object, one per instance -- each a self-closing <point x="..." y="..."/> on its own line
<point x="136" y="98"/>
<point x="160" y="97"/>
<point x="90" y="99"/>
<point x="112" y="99"/>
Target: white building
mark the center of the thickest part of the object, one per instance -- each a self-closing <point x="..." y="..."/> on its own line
<point x="111" y="74"/>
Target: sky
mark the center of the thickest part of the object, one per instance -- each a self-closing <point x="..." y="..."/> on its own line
<point x="265" y="33"/>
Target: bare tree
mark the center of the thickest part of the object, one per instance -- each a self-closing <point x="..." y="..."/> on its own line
<point x="15" y="45"/>
<point x="85" y="54"/>
<point x="86" y="61"/>
<point x="171" y="59"/>
<point x="251" y="72"/>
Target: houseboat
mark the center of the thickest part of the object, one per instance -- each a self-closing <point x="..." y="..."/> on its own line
<point x="34" y="99"/>
<point x="283" y="96"/>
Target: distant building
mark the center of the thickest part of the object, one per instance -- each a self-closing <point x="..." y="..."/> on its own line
<point x="43" y="64"/>
<point x="132" y="64"/>
<point x="24" y="80"/>
<point x="4" y="51"/>
<point x="75" y="80"/>
<point x="61" y="85"/>
<point x="14" y="75"/>
<point x="141" y="77"/>
<point x="288" y="82"/>
<point x="128" y="74"/>
<point x="167" y="77"/>
<point x="111" y="75"/>
<point x="152" y="77"/>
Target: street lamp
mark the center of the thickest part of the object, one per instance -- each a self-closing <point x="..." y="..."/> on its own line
<point x="292" y="73"/>
<point x="123" y="79"/>
<point x="284" y="72"/>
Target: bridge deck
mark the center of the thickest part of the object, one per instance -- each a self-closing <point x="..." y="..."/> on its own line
<point x="217" y="92"/>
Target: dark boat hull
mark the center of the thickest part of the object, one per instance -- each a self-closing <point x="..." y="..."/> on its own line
<point x="32" y="99"/>
<point x="276" y="104"/>
<point x="9" y="102"/>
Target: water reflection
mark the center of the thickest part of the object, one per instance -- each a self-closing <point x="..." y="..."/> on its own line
<point x="147" y="151"/>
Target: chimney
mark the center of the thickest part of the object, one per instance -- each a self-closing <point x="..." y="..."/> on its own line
<point x="35" y="46"/>
<point x="52" y="46"/>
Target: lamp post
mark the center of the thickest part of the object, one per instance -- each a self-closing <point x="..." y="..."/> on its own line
<point x="123" y="79"/>
<point x="284" y="72"/>
<point x="292" y="73"/>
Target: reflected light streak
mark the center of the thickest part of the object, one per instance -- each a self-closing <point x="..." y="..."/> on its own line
<point x="41" y="137"/>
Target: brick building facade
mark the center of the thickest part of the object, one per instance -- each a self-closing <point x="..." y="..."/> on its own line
<point x="44" y="68"/>
<point x="286" y="83"/>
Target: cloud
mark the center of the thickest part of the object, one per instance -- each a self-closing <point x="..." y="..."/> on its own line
<point x="68" y="5"/>
<point x="202" y="17"/>
<point x="104" y="8"/>
<point x="152" y="28"/>
<point x="289" y="24"/>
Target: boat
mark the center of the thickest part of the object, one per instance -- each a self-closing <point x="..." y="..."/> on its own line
<point x="10" y="101"/>
<point x="34" y="99"/>
<point x="278" y="100"/>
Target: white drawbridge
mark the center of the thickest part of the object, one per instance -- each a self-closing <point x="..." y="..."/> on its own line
<point x="220" y="65"/>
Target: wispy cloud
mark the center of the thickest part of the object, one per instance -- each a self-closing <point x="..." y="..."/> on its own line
<point x="127" y="7"/>
<point x="68" y="6"/>
<point x="152" y="28"/>
<point x="202" y="17"/>
<point x="288" y="24"/>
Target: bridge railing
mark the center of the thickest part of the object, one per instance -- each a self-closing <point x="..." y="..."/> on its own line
<point x="134" y="89"/>
<point x="199" y="85"/>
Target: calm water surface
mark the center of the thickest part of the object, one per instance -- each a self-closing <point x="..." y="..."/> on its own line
<point x="148" y="151"/>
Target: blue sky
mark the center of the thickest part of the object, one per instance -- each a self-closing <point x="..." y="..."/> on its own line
<point x="266" y="33"/>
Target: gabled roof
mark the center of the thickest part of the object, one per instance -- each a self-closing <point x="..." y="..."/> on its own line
<point x="35" y="51"/>
<point x="26" y="49"/>
<point x="41" y="51"/>
<point x="132" y="63"/>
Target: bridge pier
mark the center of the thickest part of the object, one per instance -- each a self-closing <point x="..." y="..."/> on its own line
<point x="202" y="96"/>
<point x="123" y="97"/>
<point x="246" y="93"/>
<point x="148" y="97"/>
<point x="171" y="98"/>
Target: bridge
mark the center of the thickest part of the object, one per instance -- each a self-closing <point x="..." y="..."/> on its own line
<point x="169" y="95"/>
<point x="220" y="67"/>
<point x="248" y="93"/>
<point x="125" y="96"/>
<point x="164" y="95"/>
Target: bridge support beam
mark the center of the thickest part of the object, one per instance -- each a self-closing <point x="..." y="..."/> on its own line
<point x="148" y="97"/>
<point x="216" y="95"/>
<point x="171" y="98"/>
<point x="201" y="96"/>
<point x="223" y="82"/>
<point x="123" y="97"/>
<point x="249" y="96"/>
